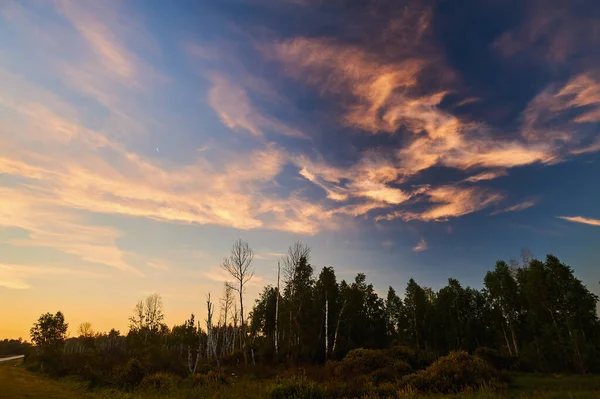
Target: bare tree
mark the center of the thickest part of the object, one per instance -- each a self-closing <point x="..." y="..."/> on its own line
<point x="85" y="329"/>
<point x="211" y="339"/>
<point x="239" y="266"/>
<point x="526" y="256"/>
<point x="226" y="304"/>
<point x="295" y="252"/>
<point x="235" y="323"/>
<point x="326" y="327"/>
<point x="277" y="313"/>
<point x="148" y="316"/>
<point x="337" y="327"/>
<point x="193" y="365"/>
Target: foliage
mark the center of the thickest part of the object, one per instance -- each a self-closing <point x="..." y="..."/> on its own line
<point x="297" y="387"/>
<point x="131" y="374"/>
<point x="498" y="359"/>
<point x="49" y="330"/>
<point x="534" y="317"/>
<point x="14" y="347"/>
<point x="454" y="373"/>
<point x="363" y="361"/>
<point x="160" y="382"/>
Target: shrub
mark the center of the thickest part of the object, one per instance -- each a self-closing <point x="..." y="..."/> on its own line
<point x="363" y="361"/>
<point x="131" y="374"/>
<point x="500" y="360"/>
<point x="391" y="372"/>
<point x="211" y="378"/>
<point x="159" y="382"/>
<point x="403" y="353"/>
<point x="296" y="388"/>
<point x="454" y="373"/>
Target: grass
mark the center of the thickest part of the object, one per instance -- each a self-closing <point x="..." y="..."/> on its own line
<point x="17" y="382"/>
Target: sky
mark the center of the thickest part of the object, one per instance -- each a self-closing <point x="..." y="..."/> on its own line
<point x="426" y="139"/>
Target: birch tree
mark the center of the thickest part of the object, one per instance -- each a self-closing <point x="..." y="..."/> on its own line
<point x="239" y="266"/>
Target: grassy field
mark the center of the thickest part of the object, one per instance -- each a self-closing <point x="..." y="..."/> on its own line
<point x="17" y="382"/>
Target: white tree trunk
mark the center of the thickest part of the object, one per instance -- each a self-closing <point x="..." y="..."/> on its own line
<point x="337" y="328"/>
<point x="326" y="328"/>
<point x="277" y="314"/>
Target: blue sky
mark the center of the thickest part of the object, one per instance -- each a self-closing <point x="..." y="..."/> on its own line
<point x="139" y="139"/>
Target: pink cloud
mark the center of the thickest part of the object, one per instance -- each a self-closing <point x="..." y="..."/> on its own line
<point x="421" y="246"/>
<point x="581" y="219"/>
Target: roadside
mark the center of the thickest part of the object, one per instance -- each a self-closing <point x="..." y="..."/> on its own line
<point x="17" y="383"/>
<point x="9" y="358"/>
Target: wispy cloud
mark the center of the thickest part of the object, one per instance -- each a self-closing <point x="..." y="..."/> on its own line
<point x="581" y="219"/>
<point x="421" y="246"/>
<point x="382" y="100"/>
<point x="388" y="243"/>
<point x="17" y="276"/>
<point x="489" y="175"/>
<point x="235" y="110"/>
<point x="517" y="207"/>
<point x="550" y="34"/>
<point x="452" y="201"/>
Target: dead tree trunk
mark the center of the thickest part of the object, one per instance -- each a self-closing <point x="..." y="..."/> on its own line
<point x="326" y="328"/>
<point x="337" y="328"/>
<point x="277" y="314"/>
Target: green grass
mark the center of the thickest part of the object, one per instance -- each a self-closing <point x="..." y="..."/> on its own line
<point x="17" y="382"/>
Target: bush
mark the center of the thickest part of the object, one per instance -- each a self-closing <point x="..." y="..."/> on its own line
<point x="160" y="382"/>
<point x="390" y="373"/>
<point x="211" y="378"/>
<point x="499" y="360"/>
<point x="362" y="361"/>
<point x="131" y="374"/>
<point x="296" y="388"/>
<point x="454" y="373"/>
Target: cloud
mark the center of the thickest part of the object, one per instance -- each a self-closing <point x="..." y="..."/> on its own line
<point x="16" y="276"/>
<point x="558" y="114"/>
<point x="234" y="108"/>
<point x="517" y="207"/>
<point x="453" y="201"/>
<point x="421" y="246"/>
<point x="158" y="265"/>
<point x="111" y="54"/>
<point x="269" y="255"/>
<point x="581" y="219"/>
<point x="388" y="243"/>
<point x="381" y="96"/>
<point x="49" y="225"/>
<point x="489" y="175"/>
<point x="551" y="33"/>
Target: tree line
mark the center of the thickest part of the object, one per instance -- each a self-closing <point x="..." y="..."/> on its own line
<point x="535" y="316"/>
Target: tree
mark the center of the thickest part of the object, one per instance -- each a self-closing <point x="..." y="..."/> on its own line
<point x="226" y="305"/>
<point x="414" y="306"/>
<point x="85" y="330"/>
<point x="394" y="315"/>
<point x="291" y="260"/>
<point x="49" y="330"/>
<point x="148" y="314"/>
<point x="326" y="298"/>
<point x="48" y="334"/>
<point x="277" y="311"/>
<point x="503" y="292"/>
<point x="299" y="299"/>
<point x="239" y="266"/>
